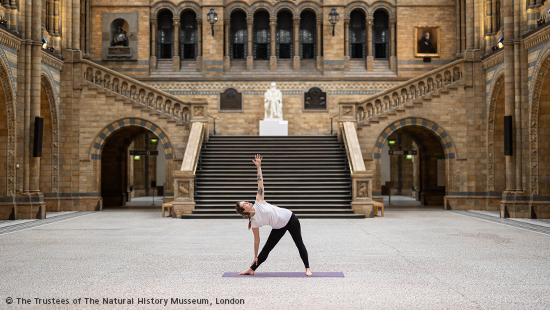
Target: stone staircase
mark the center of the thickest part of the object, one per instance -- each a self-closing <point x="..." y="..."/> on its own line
<point x="381" y="69"/>
<point x="409" y="95"/>
<point x="188" y="68"/>
<point x="306" y="174"/>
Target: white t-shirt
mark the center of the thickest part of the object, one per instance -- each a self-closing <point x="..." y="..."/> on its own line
<point x="268" y="214"/>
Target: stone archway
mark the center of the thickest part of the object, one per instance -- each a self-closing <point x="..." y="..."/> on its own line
<point x="10" y="126"/>
<point x="429" y="129"/>
<point x="99" y="142"/>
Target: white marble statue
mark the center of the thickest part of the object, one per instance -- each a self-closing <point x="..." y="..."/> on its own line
<point x="273" y="103"/>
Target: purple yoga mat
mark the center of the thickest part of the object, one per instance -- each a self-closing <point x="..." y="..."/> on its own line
<point x="285" y="275"/>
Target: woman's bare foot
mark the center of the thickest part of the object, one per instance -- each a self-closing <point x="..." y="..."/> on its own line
<point x="308" y="272"/>
<point x="248" y="272"/>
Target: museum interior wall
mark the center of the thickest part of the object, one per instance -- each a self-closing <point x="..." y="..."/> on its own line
<point x="440" y="74"/>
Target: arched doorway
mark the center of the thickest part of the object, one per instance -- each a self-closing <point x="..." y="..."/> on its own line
<point x="261" y="36"/>
<point x="188" y="47"/>
<point x="308" y="35"/>
<point x="380" y="35"/>
<point x="239" y="39"/>
<point x="120" y="176"/>
<point x="284" y="35"/>
<point x="357" y="34"/>
<point x="496" y="162"/>
<point x="413" y="180"/>
<point x="165" y="35"/>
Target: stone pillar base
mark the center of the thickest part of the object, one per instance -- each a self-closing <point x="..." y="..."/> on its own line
<point x="370" y="63"/>
<point x="182" y="207"/>
<point x="7" y="211"/>
<point x="53" y="204"/>
<point x="366" y="208"/>
<point x="296" y="63"/>
<point x="393" y="63"/>
<point x="273" y="63"/>
<point x="346" y="63"/>
<point x="249" y="63"/>
<point x="176" y="64"/>
<point x="320" y="63"/>
<point x="199" y="63"/>
<point x="432" y="199"/>
<point x="226" y="63"/>
<point x="152" y="63"/>
<point x="515" y="209"/>
<point x="30" y="210"/>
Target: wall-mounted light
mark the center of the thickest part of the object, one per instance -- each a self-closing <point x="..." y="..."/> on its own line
<point x="409" y="157"/>
<point x="500" y="44"/>
<point x="153" y="141"/>
<point x="212" y="18"/>
<point x="333" y="19"/>
<point x="44" y="43"/>
<point x="137" y="157"/>
<point x="391" y="142"/>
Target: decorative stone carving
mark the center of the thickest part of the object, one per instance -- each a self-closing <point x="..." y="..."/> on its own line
<point x="273" y="103"/>
<point x="491" y="133"/>
<point x="537" y="38"/>
<point x="363" y="191"/>
<point x="10" y="40"/>
<point x="55" y="133"/>
<point x="10" y="111"/>
<point x="120" y="36"/>
<point x="493" y="60"/>
<point x="119" y="51"/>
<point x="199" y="111"/>
<point x="183" y="190"/>
<point x="534" y="119"/>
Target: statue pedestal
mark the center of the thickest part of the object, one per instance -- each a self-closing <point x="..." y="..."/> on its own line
<point x="273" y="127"/>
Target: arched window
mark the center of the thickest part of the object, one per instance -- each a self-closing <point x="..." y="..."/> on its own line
<point x="239" y="38"/>
<point x="380" y="37"/>
<point x="188" y="47"/>
<point x="165" y="35"/>
<point x="284" y="34"/>
<point x="308" y="35"/>
<point x="261" y="35"/>
<point x="357" y="34"/>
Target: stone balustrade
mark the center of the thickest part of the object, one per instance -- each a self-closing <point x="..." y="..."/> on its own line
<point x="142" y="94"/>
<point x="415" y="89"/>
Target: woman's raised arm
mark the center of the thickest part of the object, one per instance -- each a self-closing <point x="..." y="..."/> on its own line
<point x="258" y="162"/>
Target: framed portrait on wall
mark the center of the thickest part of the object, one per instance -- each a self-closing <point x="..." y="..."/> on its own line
<point x="426" y="41"/>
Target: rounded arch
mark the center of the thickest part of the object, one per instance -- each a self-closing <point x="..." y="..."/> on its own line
<point x="357" y="5"/>
<point x="446" y="141"/>
<point x="311" y="6"/>
<point x="9" y="99"/>
<point x="286" y="6"/>
<point x="186" y="6"/>
<point x="161" y="6"/>
<point x="496" y="88"/>
<point x="54" y="114"/>
<point x="96" y="148"/>
<point x="384" y="6"/>
<point x="439" y="133"/>
<point x="237" y="8"/>
<point x="262" y="6"/>
<point x="536" y="94"/>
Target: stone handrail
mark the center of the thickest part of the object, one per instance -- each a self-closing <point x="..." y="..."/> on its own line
<point x="361" y="179"/>
<point x="409" y="91"/>
<point x="137" y="92"/>
<point x="193" y="148"/>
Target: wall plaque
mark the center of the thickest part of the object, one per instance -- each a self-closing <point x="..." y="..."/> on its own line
<point x="231" y="100"/>
<point x="315" y="99"/>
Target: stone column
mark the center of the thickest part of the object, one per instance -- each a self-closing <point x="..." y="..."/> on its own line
<point x="176" y="59"/>
<point x="462" y="25"/>
<point x="227" y="51"/>
<point x="319" y="45"/>
<point x="13" y="16"/>
<point x="393" y="57"/>
<point x="509" y="84"/>
<point x="296" y="39"/>
<point x="250" y="45"/>
<point x="57" y="37"/>
<point x="212" y="64"/>
<point x="49" y="12"/>
<point x="470" y="34"/>
<point x="154" y="45"/>
<point x="273" y="44"/>
<point x="494" y="14"/>
<point x="199" y="45"/>
<point x="76" y="25"/>
<point x="346" y="45"/>
<point x="539" y="3"/>
<point x="457" y="37"/>
<point x="368" y="43"/>
<point x="333" y="45"/>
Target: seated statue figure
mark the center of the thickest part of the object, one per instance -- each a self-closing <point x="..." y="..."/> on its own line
<point x="273" y="103"/>
<point x="120" y="38"/>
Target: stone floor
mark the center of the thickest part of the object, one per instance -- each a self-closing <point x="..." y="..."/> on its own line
<point x="419" y="259"/>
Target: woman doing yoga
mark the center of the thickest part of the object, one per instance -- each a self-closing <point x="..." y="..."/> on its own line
<point x="280" y="219"/>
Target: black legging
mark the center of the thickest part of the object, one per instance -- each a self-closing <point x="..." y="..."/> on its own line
<point x="293" y="227"/>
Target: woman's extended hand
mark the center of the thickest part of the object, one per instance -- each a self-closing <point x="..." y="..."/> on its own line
<point x="257" y="160"/>
<point x="254" y="262"/>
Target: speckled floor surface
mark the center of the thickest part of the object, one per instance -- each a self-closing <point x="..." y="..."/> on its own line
<point x="431" y="259"/>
